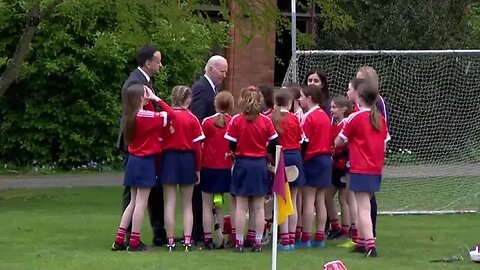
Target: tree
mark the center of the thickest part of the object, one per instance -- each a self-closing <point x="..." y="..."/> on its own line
<point x="35" y="16"/>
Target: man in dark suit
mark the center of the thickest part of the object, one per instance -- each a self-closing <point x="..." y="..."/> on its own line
<point x="149" y="62"/>
<point x="203" y="97"/>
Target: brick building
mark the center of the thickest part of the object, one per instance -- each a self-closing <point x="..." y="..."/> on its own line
<point x="265" y="58"/>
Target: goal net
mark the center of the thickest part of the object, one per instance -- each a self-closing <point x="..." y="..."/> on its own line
<point x="433" y="159"/>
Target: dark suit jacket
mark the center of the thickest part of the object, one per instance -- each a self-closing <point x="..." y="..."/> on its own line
<point x="203" y="98"/>
<point x="136" y="77"/>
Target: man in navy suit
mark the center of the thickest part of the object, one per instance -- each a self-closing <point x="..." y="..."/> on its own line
<point x="202" y="106"/>
<point x="149" y="62"/>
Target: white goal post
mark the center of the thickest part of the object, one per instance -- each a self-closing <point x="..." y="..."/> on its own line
<point x="433" y="97"/>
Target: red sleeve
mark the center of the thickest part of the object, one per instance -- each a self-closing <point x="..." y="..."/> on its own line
<point x="307" y="128"/>
<point x="197" y="147"/>
<point x="232" y="134"/>
<point x="166" y="108"/>
<point x="149" y="107"/>
<point x="271" y="133"/>
<point x="197" y="131"/>
<point x="348" y="129"/>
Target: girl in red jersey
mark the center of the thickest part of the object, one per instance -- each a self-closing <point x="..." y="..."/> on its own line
<point x="249" y="133"/>
<point x="294" y="89"/>
<point x="366" y="133"/>
<point x="141" y="131"/>
<point x="180" y="164"/>
<point x="341" y="108"/>
<point x="216" y="171"/>
<point x="290" y="137"/>
<point x="317" y="165"/>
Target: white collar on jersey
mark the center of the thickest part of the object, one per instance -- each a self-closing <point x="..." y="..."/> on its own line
<point x="284" y="110"/>
<point x="311" y="110"/>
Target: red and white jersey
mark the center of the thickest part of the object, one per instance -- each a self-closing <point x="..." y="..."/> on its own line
<point x="215" y="147"/>
<point x="340" y="154"/>
<point x="148" y="128"/>
<point x="251" y="137"/>
<point x="268" y="113"/>
<point x="318" y="132"/>
<point x="366" y="145"/>
<point x="299" y="114"/>
<point x="292" y="135"/>
<point x="182" y="132"/>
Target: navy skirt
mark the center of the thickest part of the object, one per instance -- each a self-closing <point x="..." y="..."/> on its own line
<point x="318" y="171"/>
<point x="140" y="172"/>
<point x="365" y="182"/>
<point x="294" y="157"/>
<point x="215" y="180"/>
<point x="250" y="177"/>
<point x="177" y="168"/>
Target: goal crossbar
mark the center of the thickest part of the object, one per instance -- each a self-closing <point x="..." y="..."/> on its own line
<point x="389" y="52"/>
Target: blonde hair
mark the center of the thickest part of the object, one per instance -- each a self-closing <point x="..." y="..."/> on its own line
<point x="180" y="95"/>
<point x="370" y="74"/>
<point x="250" y="103"/>
<point x="223" y="104"/>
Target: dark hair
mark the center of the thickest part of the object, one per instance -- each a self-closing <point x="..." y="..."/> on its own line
<point x="323" y="78"/>
<point x="369" y="93"/>
<point x="282" y="98"/>
<point x="267" y="93"/>
<point x="314" y="92"/>
<point x="180" y="94"/>
<point x="145" y="53"/>
<point x="294" y="90"/>
<point x="343" y="102"/>
<point x="250" y="103"/>
<point x="132" y="100"/>
<point x="356" y="83"/>
<point x="223" y="105"/>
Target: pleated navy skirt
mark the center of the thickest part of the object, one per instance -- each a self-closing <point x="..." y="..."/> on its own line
<point x="177" y="168"/>
<point x="140" y="172"/>
<point x="215" y="180"/>
<point x="294" y="157"/>
<point x="250" y="177"/>
<point x="318" y="171"/>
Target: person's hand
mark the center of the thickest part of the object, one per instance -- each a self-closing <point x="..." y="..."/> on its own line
<point x="197" y="176"/>
<point x="149" y="93"/>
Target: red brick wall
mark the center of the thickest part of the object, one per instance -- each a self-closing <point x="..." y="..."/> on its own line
<point x="251" y="63"/>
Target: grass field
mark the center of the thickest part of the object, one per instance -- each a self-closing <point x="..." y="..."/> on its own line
<point x="73" y="229"/>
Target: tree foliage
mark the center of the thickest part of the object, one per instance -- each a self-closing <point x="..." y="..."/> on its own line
<point x="65" y="106"/>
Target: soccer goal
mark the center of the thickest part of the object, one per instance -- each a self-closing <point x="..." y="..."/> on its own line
<point x="433" y="159"/>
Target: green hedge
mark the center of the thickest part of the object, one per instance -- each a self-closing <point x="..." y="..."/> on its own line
<point x="65" y="107"/>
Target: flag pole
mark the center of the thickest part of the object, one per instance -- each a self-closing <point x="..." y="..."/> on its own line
<point x="294" y="40"/>
<point x="278" y="151"/>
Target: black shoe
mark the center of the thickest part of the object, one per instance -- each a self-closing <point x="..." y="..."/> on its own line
<point x="256" y="248"/>
<point x="334" y="235"/>
<point x="371" y="253"/>
<point x="118" y="247"/>
<point x="170" y="248"/>
<point x="358" y="249"/>
<point x="238" y="248"/>
<point x="188" y="247"/>
<point x="209" y="245"/>
<point x="140" y="248"/>
<point x="248" y="243"/>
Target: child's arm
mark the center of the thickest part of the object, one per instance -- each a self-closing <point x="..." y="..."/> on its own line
<point x="339" y="141"/>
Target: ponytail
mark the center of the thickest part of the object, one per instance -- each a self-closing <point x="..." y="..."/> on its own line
<point x="375" y="118"/>
<point x="220" y="120"/>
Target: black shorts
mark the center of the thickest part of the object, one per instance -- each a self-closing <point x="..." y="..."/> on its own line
<point x="338" y="178"/>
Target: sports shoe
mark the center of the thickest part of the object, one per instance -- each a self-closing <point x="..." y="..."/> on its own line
<point x="256" y="248"/>
<point x="347" y="244"/>
<point x="238" y="248"/>
<point x="118" y="247"/>
<point x="208" y="245"/>
<point x="140" y="248"/>
<point x="281" y="247"/>
<point x="171" y="248"/>
<point x="292" y="246"/>
<point x="371" y="253"/>
<point x="333" y="234"/>
<point x="358" y="249"/>
<point x="318" y="244"/>
<point x="188" y="247"/>
<point x="301" y="244"/>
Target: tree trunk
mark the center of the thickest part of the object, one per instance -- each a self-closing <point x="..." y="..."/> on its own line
<point x="13" y="68"/>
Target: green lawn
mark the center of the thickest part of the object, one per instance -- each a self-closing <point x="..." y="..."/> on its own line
<point x="74" y="228"/>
